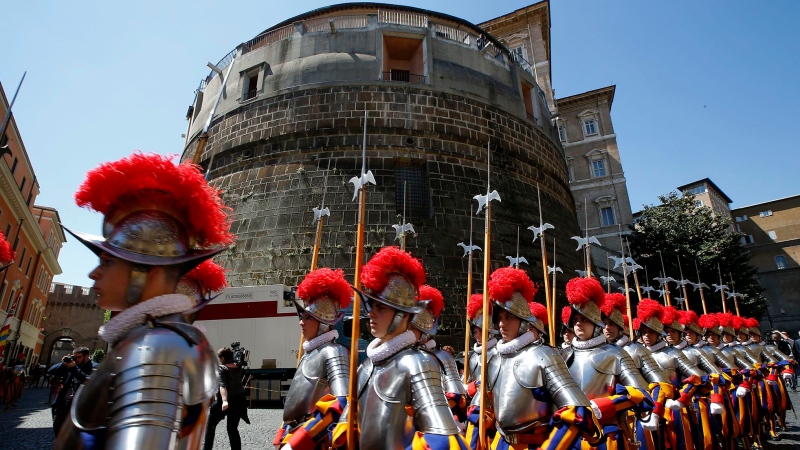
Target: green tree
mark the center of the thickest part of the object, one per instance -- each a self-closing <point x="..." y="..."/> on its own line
<point x="98" y="355"/>
<point x="702" y="241"/>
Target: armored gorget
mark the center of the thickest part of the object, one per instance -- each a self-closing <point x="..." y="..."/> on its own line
<point x="698" y="358"/>
<point x="721" y="360"/>
<point x="528" y="385"/>
<point x="323" y="370"/>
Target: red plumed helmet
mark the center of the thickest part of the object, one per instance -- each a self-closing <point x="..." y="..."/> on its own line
<point x="580" y="291"/>
<point x="751" y="322"/>
<point x="326" y="282"/>
<point x="512" y="290"/>
<point x="566" y="313"/>
<point x="689" y="320"/>
<point x="435" y="298"/>
<point x="637" y="324"/>
<point x="475" y="306"/>
<point x="393" y="277"/>
<point x="708" y="321"/>
<point x="115" y="188"/>
<point x="539" y="311"/>
<point x="587" y="297"/>
<point x="737" y="322"/>
<point x="670" y="317"/>
<point x="6" y="252"/>
<point x="649" y="313"/>
<point x="209" y="276"/>
<point x="614" y="307"/>
<point x="507" y="281"/>
<point x="325" y="293"/>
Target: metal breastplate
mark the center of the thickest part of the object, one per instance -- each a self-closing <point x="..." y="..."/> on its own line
<point x="598" y="370"/>
<point x="761" y="353"/>
<point x="527" y="385"/>
<point x="699" y="359"/>
<point x="720" y="359"/>
<point x="408" y="378"/>
<point x="675" y="365"/>
<point x="450" y="378"/>
<point x="322" y="371"/>
<point x="144" y="386"/>
<point x="777" y="354"/>
<point x="476" y="376"/>
<point x="747" y="358"/>
<point x="735" y="356"/>
<point x="643" y="360"/>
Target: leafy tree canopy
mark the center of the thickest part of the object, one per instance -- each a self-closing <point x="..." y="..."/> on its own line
<point x="701" y="241"/>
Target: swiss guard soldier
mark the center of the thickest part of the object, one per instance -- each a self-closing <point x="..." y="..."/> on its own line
<point x="603" y="371"/>
<point x="778" y="363"/>
<point x="400" y="398"/>
<point x="424" y="325"/>
<point x="567" y="333"/>
<point x="154" y="387"/>
<point x="319" y="388"/>
<point x="659" y="388"/>
<point x="475" y="314"/>
<point x="531" y="388"/>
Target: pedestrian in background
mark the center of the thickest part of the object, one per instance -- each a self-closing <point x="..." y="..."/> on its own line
<point x="230" y="401"/>
<point x="75" y="369"/>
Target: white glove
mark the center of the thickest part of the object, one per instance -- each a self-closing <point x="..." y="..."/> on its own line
<point x="772" y="382"/>
<point x="716" y="408"/>
<point x="673" y="405"/>
<point x="287" y="447"/>
<point x="787" y="376"/>
<point x="596" y="410"/>
<point x="742" y="391"/>
<point x="651" y="424"/>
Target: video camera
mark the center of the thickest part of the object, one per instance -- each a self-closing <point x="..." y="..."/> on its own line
<point x="240" y="354"/>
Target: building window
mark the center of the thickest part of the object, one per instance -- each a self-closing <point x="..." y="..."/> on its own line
<point x="696" y="190"/>
<point x="562" y="133"/>
<point x="747" y="239"/>
<point x="8" y="230"/>
<point x="68" y="289"/>
<point x="22" y="259"/>
<point x="52" y="287"/>
<point x="520" y="52"/>
<point x="403" y="59"/>
<point x="698" y="204"/>
<point x="22" y="185"/>
<point x="250" y="84"/>
<point x="28" y="267"/>
<point x="589" y="127"/>
<point x="598" y="168"/>
<point x="772" y="235"/>
<point x="607" y="216"/>
<point x="741" y="218"/>
<point x="84" y="291"/>
<point x="766" y="213"/>
<point x="14" y="166"/>
<point x="780" y="261"/>
<point x="414" y="175"/>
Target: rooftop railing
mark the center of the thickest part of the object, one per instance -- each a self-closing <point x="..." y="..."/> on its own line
<point x="334" y="23"/>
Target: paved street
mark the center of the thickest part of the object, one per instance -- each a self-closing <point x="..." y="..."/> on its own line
<point x="29" y="427"/>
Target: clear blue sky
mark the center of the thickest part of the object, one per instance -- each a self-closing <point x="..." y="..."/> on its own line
<point x="704" y="89"/>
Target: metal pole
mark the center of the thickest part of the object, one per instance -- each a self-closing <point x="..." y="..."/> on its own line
<point x="467" y="330"/>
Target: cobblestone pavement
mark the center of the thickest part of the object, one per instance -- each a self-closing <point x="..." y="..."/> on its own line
<point x="29" y="427"/>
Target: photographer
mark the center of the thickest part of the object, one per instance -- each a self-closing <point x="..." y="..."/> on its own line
<point x="76" y="368"/>
<point x="230" y="400"/>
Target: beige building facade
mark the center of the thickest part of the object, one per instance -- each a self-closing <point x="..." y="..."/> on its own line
<point x="772" y="236"/>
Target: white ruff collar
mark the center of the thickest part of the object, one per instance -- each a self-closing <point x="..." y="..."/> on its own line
<point x="430" y="344"/>
<point x="747" y="342"/>
<point x="377" y="351"/>
<point x="721" y="345"/>
<point x="591" y="343"/>
<point x="516" y="344"/>
<point x="701" y="344"/>
<point x="623" y="340"/>
<point x="163" y="305"/>
<point x="658" y="346"/>
<point x="323" y="338"/>
<point x="478" y="348"/>
<point x="682" y="345"/>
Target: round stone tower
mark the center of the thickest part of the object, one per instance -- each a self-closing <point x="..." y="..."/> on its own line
<point x="279" y="123"/>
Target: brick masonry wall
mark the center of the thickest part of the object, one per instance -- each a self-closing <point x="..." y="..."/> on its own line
<point x="271" y="159"/>
<point x="74" y="315"/>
